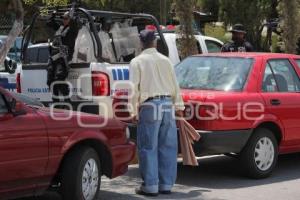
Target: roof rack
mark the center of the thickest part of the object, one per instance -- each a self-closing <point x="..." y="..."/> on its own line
<point x="91" y="16"/>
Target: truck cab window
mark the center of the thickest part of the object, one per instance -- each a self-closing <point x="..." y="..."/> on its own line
<point x="212" y="46"/>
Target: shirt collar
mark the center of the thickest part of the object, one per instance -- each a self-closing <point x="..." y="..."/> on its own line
<point x="149" y="51"/>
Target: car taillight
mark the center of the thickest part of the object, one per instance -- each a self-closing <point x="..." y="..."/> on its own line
<point x="18" y="83"/>
<point x="100" y="84"/>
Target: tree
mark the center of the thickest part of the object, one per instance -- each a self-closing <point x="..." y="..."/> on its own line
<point x="187" y="42"/>
<point x="16" y="7"/>
<point x="252" y="14"/>
<point x="47" y="2"/>
<point x="289" y="10"/>
<point x="209" y="6"/>
<point x="132" y="6"/>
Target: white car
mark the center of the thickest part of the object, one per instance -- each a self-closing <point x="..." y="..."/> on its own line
<point x="204" y="45"/>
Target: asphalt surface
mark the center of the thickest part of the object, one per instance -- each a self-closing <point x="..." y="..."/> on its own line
<point x="216" y="178"/>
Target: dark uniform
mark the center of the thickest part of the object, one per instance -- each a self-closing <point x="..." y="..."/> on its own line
<point x="68" y="34"/>
<point x="61" y="52"/>
<point x="236" y="47"/>
<point x="239" y="44"/>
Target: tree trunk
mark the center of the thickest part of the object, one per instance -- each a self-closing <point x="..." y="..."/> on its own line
<point x="290" y="24"/>
<point x="17" y="7"/>
<point x="187" y="43"/>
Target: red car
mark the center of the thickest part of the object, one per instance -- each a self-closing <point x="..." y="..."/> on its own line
<point x="245" y="105"/>
<point x="42" y="148"/>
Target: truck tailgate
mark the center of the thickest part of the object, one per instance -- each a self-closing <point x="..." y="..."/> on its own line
<point x="34" y="82"/>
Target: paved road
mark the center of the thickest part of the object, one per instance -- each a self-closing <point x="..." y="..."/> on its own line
<point x="217" y="178"/>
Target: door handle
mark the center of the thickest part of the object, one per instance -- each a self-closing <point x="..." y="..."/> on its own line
<point x="275" y="102"/>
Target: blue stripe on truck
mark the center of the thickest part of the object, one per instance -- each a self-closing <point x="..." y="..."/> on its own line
<point x="114" y="74"/>
<point x="6" y="85"/>
<point x="120" y="74"/>
<point x="126" y="74"/>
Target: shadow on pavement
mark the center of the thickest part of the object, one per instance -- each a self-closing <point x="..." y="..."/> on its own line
<point x="225" y="173"/>
<point x="124" y="188"/>
<point x="196" y="183"/>
<point x="109" y="195"/>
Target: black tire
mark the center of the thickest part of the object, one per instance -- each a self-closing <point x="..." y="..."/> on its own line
<point x="72" y="172"/>
<point x="248" y="154"/>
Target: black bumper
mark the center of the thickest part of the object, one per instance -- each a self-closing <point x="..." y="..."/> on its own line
<point x="88" y="107"/>
<point x="221" y="142"/>
<point x="215" y="142"/>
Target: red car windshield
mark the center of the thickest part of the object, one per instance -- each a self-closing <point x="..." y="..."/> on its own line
<point x="213" y="73"/>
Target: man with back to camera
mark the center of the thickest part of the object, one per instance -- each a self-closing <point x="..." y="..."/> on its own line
<point x="239" y="43"/>
<point x="155" y="94"/>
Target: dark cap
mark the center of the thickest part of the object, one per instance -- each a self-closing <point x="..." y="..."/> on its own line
<point x="238" y="28"/>
<point x="147" y="36"/>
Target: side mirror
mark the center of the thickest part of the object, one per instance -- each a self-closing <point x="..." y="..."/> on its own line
<point x="17" y="107"/>
<point x="10" y="66"/>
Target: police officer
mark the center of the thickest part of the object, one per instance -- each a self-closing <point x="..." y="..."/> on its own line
<point x="61" y="52"/>
<point x="239" y="43"/>
<point x="68" y="31"/>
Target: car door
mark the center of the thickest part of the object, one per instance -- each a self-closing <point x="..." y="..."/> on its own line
<point x="23" y="149"/>
<point x="280" y="90"/>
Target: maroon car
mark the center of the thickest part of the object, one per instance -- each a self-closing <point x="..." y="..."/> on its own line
<point x="42" y="148"/>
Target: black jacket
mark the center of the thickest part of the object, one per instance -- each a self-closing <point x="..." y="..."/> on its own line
<point x="235" y="47"/>
<point x="68" y="34"/>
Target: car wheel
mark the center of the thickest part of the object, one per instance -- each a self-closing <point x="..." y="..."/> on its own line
<point x="81" y="175"/>
<point x="259" y="157"/>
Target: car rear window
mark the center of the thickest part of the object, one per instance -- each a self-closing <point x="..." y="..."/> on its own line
<point x="213" y="73"/>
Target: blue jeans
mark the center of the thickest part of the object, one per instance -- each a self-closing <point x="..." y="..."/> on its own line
<point x="157" y="145"/>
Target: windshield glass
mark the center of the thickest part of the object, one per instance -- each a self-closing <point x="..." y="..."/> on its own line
<point x="213" y="73"/>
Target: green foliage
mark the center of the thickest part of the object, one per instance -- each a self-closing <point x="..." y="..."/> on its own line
<point x="216" y="31"/>
<point x="209" y="6"/>
<point x="4" y="5"/>
<point x="136" y="6"/>
<point x="132" y="6"/>
<point x="46" y="2"/>
<point x="251" y="13"/>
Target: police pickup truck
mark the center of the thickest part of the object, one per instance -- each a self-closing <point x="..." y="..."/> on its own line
<point x="106" y="43"/>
